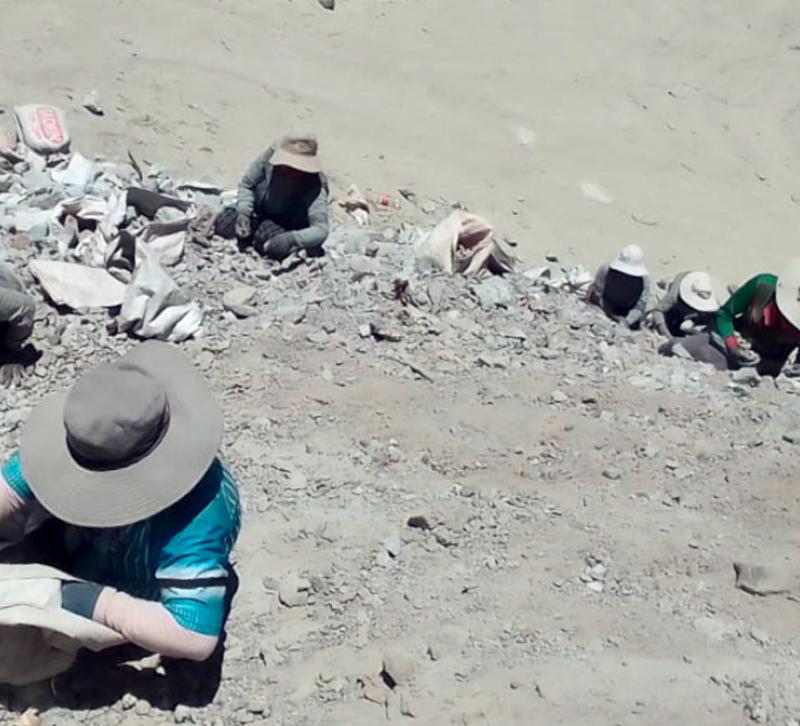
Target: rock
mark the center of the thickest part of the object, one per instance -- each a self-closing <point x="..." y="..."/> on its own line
<point x="493" y="360"/>
<point x="91" y="102"/>
<point x="612" y="473"/>
<point x="182" y="714"/>
<point x="759" y="636"/>
<point x="328" y="4"/>
<point x="595" y="586"/>
<point x="294" y="591"/>
<point x="598" y="572"/>
<point x="142" y="708"/>
<point x="746" y="377"/>
<point x="393" y="544"/>
<point x="128" y="701"/>
<point x="240" y="300"/>
<point x="448" y="640"/>
<point x="398" y="667"/>
<point x="419" y="521"/>
<point x="558" y="397"/>
<point x="493" y="292"/>
<point x="792" y="437"/>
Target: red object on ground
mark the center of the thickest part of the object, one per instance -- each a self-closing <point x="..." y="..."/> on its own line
<point x="384" y="200"/>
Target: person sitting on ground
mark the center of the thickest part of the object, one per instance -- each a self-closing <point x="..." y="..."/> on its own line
<point x="758" y="326"/>
<point x="127" y="462"/>
<point x="688" y="306"/>
<point x="622" y="287"/>
<point x="283" y="200"/>
<point x="17" y="310"/>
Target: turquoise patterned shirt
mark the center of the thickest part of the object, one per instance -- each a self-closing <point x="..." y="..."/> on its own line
<point x="179" y="556"/>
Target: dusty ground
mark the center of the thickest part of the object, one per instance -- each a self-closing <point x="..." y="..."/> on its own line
<point x="584" y="499"/>
<point x="577" y="502"/>
<point x="680" y="111"/>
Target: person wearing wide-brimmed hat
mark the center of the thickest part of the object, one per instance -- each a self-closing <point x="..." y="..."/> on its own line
<point x="688" y="306"/>
<point x="127" y="459"/>
<point x="283" y="200"/>
<point x="622" y="287"/>
<point x="765" y="312"/>
<point x="757" y="327"/>
<point x="17" y="310"/>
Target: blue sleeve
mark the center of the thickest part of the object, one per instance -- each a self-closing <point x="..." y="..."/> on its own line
<point x="12" y="473"/>
<point x="193" y="565"/>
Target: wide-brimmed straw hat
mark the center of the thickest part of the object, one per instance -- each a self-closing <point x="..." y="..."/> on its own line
<point x="128" y="440"/>
<point x="298" y="152"/>
<point x="697" y="291"/>
<point x="630" y="261"/>
<point x="787" y="293"/>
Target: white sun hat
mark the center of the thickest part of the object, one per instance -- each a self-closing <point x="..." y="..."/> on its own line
<point x="697" y="291"/>
<point x="630" y="261"/>
<point x="787" y="293"/>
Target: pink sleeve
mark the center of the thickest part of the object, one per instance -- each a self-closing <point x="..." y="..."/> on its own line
<point x="150" y="626"/>
<point x="14" y="513"/>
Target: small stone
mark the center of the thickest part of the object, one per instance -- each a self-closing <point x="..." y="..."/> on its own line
<point x="365" y="330"/>
<point x="419" y="521"/>
<point x="142" y="708"/>
<point x="612" y="473"/>
<point x="128" y="701"/>
<point x="746" y="377"/>
<point x="759" y="636"/>
<point x="182" y="714"/>
<point x="294" y="591"/>
<point x="398" y="667"/>
<point x="595" y="586"/>
<point x="91" y="102"/>
<point x="259" y="708"/>
<point x="328" y="4"/>
<point x="598" y="572"/>
<point x="448" y="640"/>
<point x="792" y="437"/>
<point x="649" y="451"/>
<point x="393" y="544"/>
<point x="239" y="301"/>
<point x="558" y="397"/>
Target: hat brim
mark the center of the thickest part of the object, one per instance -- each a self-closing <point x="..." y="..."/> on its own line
<point x="786" y="293"/>
<point x="693" y="300"/>
<point x="307" y="164"/>
<point x="117" y="497"/>
<point x="628" y="269"/>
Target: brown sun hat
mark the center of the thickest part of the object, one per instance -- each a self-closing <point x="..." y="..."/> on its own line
<point x="298" y="152"/>
<point x="128" y="440"/>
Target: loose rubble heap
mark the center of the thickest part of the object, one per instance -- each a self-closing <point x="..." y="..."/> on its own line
<point x="470" y="500"/>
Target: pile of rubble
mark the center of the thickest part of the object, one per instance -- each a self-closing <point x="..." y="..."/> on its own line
<point x="390" y="517"/>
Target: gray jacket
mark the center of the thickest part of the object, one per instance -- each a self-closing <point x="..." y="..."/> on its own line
<point x="638" y="311"/>
<point x="671" y="311"/>
<point x="17" y="310"/>
<point x="303" y="214"/>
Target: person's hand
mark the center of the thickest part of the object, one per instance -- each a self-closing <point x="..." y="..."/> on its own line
<point x="243" y="226"/>
<point x="11" y="374"/>
<point x="744" y="357"/>
<point x="279" y="248"/>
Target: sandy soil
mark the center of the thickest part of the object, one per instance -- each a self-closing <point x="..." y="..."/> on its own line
<point x="682" y="112"/>
<point x="584" y="499"/>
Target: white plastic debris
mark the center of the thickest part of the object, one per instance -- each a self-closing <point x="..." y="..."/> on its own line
<point x="77" y="286"/>
<point x="154" y="306"/>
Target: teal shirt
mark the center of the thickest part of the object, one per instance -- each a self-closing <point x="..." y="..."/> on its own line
<point x="179" y="556"/>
